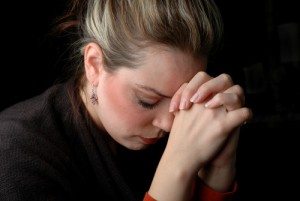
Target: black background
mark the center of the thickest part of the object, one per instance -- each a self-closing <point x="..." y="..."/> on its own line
<point x="259" y="37"/>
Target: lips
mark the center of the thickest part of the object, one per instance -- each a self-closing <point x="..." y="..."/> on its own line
<point x="149" y="140"/>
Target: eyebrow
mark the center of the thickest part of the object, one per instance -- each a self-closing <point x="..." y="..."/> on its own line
<point x="152" y="90"/>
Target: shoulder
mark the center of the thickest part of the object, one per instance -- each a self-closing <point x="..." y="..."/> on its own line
<point x="34" y="151"/>
<point x="31" y="107"/>
<point x="27" y="119"/>
<point x="31" y="124"/>
<point x="36" y="122"/>
<point x="34" y="129"/>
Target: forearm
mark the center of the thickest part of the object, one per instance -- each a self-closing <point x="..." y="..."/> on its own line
<point x="172" y="181"/>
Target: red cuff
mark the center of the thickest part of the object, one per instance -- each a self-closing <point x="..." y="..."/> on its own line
<point x="148" y="197"/>
<point x="208" y="194"/>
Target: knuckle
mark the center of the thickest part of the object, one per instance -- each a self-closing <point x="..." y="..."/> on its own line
<point x="216" y="121"/>
<point x="239" y="90"/>
<point x="240" y="93"/>
<point x="226" y="78"/>
<point x="248" y="113"/>
<point x="218" y="97"/>
<point x="201" y="75"/>
<point x="236" y="98"/>
<point x="188" y="91"/>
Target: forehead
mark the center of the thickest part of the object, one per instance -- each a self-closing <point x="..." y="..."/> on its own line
<point x="165" y="69"/>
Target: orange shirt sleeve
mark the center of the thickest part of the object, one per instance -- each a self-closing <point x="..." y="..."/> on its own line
<point x="148" y="197"/>
<point x="206" y="194"/>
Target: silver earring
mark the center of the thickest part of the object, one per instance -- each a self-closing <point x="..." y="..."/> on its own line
<point x="94" y="97"/>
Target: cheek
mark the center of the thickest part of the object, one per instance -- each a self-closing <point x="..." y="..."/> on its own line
<point x="121" y="106"/>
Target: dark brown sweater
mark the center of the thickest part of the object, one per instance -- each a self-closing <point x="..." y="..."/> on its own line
<point x="45" y="154"/>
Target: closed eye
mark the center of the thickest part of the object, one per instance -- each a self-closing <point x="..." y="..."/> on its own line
<point x="146" y="105"/>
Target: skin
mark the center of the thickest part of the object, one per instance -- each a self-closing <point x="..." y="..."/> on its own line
<point x="202" y="114"/>
<point x="120" y="92"/>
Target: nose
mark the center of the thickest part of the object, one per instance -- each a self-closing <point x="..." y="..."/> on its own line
<point x="163" y="120"/>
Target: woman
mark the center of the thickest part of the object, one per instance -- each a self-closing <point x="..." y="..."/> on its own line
<point x="140" y="119"/>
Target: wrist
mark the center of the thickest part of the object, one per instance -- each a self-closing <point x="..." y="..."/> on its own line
<point x="218" y="178"/>
<point x="173" y="179"/>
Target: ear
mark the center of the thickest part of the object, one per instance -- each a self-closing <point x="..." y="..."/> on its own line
<point x="93" y="63"/>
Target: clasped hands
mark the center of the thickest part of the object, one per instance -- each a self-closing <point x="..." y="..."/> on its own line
<point x="208" y="113"/>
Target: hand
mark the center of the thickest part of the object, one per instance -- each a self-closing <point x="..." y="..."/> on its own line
<point x="214" y="92"/>
<point x="200" y="135"/>
<point x="218" y="92"/>
<point x="203" y="87"/>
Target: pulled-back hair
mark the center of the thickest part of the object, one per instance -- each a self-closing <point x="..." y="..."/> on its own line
<point x="122" y="28"/>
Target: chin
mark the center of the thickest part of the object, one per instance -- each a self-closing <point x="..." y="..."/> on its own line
<point x="135" y="146"/>
<point x="131" y="144"/>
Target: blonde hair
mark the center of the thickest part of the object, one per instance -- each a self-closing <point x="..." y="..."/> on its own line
<point x="123" y="28"/>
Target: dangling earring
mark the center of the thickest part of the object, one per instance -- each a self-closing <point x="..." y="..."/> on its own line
<point x="94" y="96"/>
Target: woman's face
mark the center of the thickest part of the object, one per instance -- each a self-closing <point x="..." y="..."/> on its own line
<point x="134" y="103"/>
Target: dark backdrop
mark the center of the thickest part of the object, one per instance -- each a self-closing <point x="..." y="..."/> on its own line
<point x="261" y="51"/>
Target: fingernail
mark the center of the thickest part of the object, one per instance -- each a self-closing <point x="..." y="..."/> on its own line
<point x="183" y="105"/>
<point x="197" y="98"/>
<point x="207" y="104"/>
<point x="194" y="98"/>
<point x="172" y="107"/>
